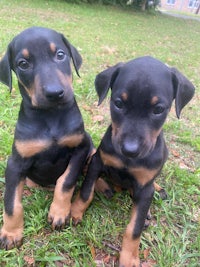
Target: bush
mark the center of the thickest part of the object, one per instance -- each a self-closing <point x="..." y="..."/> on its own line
<point x="141" y="4"/>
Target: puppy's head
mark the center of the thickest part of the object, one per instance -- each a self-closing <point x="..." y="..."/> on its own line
<point x="40" y="58"/>
<point x="142" y="93"/>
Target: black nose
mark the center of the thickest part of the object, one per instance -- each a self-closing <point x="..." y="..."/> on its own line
<point x="54" y="93"/>
<point x="130" y="148"/>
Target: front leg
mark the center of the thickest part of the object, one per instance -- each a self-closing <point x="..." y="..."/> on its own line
<point x="11" y="233"/>
<point x="129" y="256"/>
<point x="85" y="196"/>
<point x="59" y="213"/>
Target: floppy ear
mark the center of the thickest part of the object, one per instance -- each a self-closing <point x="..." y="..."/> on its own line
<point x="183" y="90"/>
<point x="76" y="57"/>
<point x="104" y="80"/>
<point x="5" y="70"/>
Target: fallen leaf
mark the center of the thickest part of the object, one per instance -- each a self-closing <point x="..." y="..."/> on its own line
<point x="29" y="260"/>
<point x="175" y="153"/>
<point x="146" y="253"/>
<point x="92" y="250"/>
<point x="87" y="108"/>
<point x="106" y="259"/>
<point x="108" y="50"/>
<point x="183" y="166"/>
<point x="98" y="118"/>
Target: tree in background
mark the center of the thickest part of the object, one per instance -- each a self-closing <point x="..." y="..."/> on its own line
<point x="198" y="8"/>
<point x="144" y="4"/>
<point x="138" y="4"/>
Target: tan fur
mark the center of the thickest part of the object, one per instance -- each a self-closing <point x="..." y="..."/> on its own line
<point x="30" y="148"/>
<point x="13" y="225"/>
<point x="110" y="160"/>
<point x="61" y="205"/>
<point x="129" y="255"/>
<point x="142" y="175"/>
<point x="71" y="140"/>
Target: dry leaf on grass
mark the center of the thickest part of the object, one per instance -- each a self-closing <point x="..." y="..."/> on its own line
<point x="175" y="153"/>
<point x="29" y="260"/>
<point x="97" y="118"/>
<point x="146" y="253"/>
<point x="92" y="250"/>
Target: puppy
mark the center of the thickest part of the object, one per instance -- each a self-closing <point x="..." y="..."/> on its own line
<point x="133" y="150"/>
<point x="50" y="143"/>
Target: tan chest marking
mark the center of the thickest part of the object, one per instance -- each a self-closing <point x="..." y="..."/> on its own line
<point x="111" y="161"/>
<point x="71" y="140"/>
<point x="30" y="148"/>
<point x="142" y="175"/>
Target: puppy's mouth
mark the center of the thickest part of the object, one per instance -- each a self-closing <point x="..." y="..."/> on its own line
<point x="45" y="105"/>
<point x="146" y="151"/>
<point x="43" y="101"/>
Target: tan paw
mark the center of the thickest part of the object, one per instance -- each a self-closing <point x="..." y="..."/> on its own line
<point x="9" y="240"/>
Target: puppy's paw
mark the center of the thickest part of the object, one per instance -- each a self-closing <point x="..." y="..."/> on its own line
<point x="127" y="259"/>
<point x="58" y="217"/>
<point x="76" y="213"/>
<point x="9" y="240"/>
<point x="163" y="194"/>
<point x="129" y="262"/>
<point x="103" y="187"/>
<point x="147" y="220"/>
<point x="79" y="207"/>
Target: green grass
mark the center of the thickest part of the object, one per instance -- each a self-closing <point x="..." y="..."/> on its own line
<point x="104" y="36"/>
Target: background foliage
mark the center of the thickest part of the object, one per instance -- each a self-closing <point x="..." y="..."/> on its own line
<point x="141" y="4"/>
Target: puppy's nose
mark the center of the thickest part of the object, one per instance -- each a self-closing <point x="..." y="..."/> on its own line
<point x="54" y="93"/>
<point x="130" y="148"/>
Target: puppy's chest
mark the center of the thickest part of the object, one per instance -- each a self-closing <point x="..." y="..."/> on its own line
<point x="32" y="140"/>
<point x="127" y="177"/>
<point x="126" y="173"/>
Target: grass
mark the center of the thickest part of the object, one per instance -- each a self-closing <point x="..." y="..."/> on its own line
<point x="104" y="36"/>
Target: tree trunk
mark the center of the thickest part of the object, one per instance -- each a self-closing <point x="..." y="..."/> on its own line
<point x="198" y="8"/>
<point x="143" y="7"/>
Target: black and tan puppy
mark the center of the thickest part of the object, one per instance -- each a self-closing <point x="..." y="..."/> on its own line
<point x="133" y="151"/>
<point x="50" y="144"/>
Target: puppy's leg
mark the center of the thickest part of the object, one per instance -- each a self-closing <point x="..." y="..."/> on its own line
<point x="59" y="213"/>
<point x="103" y="187"/>
<point x="29" y="183"/>
<point x="85" y="196"/>
<point x="129" y="255"/>
<point x="11" y="234"/>
<point x="163" y="196"/>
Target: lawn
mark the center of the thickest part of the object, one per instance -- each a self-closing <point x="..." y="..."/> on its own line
<point x="106" y="35"/>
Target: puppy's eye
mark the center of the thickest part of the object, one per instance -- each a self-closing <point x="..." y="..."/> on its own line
<point x="118" y="103"/>
<point x="60" y="55"/>
<point x="158" y="109"/>
<point x="23" y="64"/>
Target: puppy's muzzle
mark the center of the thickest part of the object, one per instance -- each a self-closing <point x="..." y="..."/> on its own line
<point x="130" y="148"/>
<point x="53" y="93"/>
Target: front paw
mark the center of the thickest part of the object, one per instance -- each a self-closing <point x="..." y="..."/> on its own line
<point x="9" y="240"/>
<point x="130" y="264"/>
<point x="163" y="194"/>
<point x="58" y="217"/>
<point x="147" y="220"/>
<point x="128" y="260"/>
<point x="76" y="213"/>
